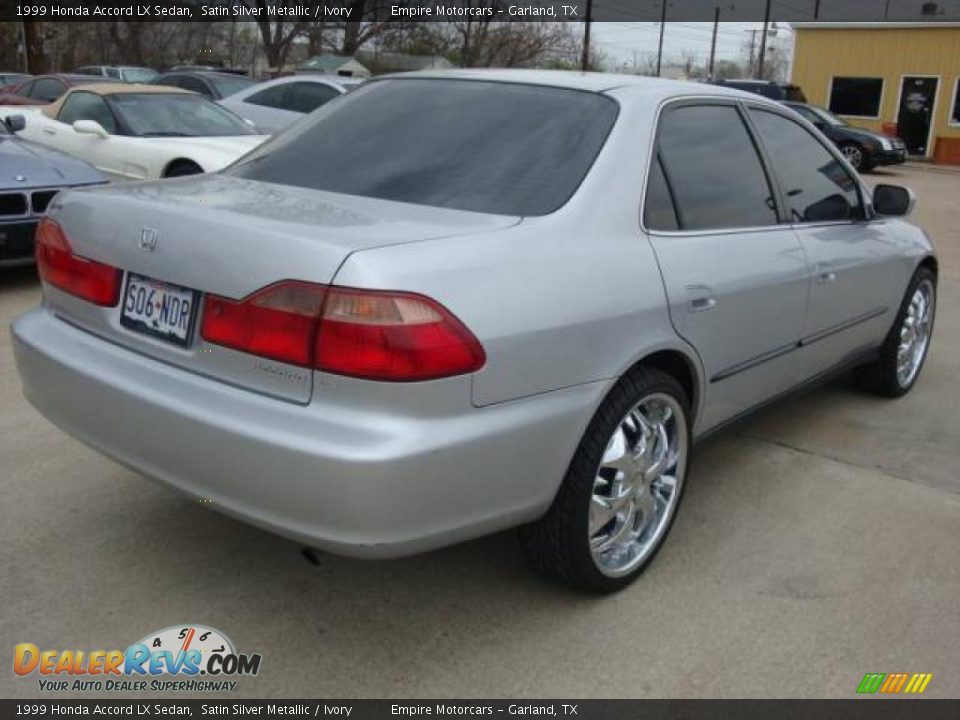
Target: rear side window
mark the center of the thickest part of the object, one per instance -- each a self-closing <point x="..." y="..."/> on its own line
<point x="474" y="145"/>
<point x="711" y="165"/>
<point x="47" y="89"/>
<point x="659" y="212"/>
<point x="815" y="184"/>
<point x="272" y="97"/>
<point x="795" y="94"/>
<point x="306" y="97"/>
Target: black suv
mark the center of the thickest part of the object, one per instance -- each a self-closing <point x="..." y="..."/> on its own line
<point x="863" y="149"/>
<point x="768" y="88"/>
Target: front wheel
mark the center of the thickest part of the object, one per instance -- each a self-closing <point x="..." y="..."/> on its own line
<point x="620" y="495"/>
<point x="905" y="348"/>
<point x="854" y="155"/>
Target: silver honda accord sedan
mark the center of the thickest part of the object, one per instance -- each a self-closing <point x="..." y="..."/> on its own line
<point x="455" y="302"/>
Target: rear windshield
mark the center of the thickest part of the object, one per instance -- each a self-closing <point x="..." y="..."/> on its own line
<point x="487" y="147"/>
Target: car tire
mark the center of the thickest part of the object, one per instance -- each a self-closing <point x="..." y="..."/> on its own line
<point x="182" y="168"/>
<point x="614" y="507"/>
<point x="906" y="346"/>
<point x="855" y="155"/>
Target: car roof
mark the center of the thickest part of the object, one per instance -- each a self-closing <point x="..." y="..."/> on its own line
<point x="656" y="88"/>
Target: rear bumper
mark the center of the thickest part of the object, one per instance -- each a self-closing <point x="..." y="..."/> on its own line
<point x="354" y="480"/>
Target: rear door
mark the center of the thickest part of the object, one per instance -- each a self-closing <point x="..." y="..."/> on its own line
<point x="736" y="278"/>
<point x="854" y="261"/>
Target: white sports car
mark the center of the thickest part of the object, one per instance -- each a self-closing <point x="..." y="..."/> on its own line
<point x="138" y="132"/>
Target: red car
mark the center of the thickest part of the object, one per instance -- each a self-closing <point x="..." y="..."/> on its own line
<point x="43" y="89"/>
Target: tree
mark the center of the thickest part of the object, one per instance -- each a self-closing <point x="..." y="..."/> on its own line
<point x="33" y="41"/>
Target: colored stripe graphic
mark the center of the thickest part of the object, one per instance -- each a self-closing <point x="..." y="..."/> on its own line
<point x="871" y="683"/>
<point x="893" y="683"/>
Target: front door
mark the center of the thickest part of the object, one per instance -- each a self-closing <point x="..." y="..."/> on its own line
<point x="915" y="115"/>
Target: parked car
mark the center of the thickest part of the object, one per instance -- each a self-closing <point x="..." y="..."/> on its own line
<point x="32" y="175"/>
<point x="42" y="89"/>
<point x="393" y="329"/>
<point x="9" y="78"/>
<point x="767" y="88"/>
<point x="214" y="85"/>
<point x="864" y="149"/>
<point x="275" y="104"/>
<point x="125" y="73"/>
<point x="137" y="132"/>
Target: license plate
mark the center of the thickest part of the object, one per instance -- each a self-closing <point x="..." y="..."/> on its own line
<point x="158" y="308"/>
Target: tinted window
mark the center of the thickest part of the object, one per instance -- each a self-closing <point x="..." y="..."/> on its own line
<point x="658" y="210"/>
<point x="229" y="84"/>
<point x="856" y="96"/>
<point x="307" y="96"/>
<point x="88" y="71"/>
<point x="194" y="85"/>
<point x="795" y="94"/>
<point x="816" y="185"/>
<point x="25" y="90"/>
<point x="47" y="89"/>
<point x="466" y="144"/>
<point x="713" y="169"/>
<point x="955" y="111"/>
<point x="274" y="97"/>
<point x="807" y="114"/>
<point x="87" y="106"/>
<point x="113" y="72"/>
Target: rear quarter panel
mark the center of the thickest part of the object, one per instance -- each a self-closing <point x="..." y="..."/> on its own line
<point x="557" y="301"/>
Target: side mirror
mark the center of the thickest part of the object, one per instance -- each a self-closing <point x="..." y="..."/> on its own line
<point x="90" y="127"/>
<point x="15" y="123"/>
<point x="893" y="200"/>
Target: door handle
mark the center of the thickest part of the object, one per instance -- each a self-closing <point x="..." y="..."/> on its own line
<point x="827" y="277"/>
<point x="699" y="304"/>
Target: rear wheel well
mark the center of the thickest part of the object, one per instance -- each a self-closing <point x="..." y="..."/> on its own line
<point x="181" y="166"/>
<point x="678" y="366"/>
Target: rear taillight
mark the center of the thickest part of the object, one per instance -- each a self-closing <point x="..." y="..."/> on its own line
<point x="58" y="265"/>
<point x="392" y="336"/>
<point x="278" y="322"/>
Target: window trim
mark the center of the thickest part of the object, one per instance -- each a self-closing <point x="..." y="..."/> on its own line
<point x="833" y="150"/>
<point x="953" y="103"/>
<point x="883" y="95"/>
<point x="653" y="150"/>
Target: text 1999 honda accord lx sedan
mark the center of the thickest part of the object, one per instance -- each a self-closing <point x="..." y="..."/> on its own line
<point x="451" y="303"/>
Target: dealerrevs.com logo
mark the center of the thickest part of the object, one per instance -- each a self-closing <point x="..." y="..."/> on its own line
<point x="188" y="658"/>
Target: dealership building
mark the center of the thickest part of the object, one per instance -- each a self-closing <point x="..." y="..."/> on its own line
<point x="901" y="78"/>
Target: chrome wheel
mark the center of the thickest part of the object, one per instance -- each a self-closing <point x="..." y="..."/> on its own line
<point x="915" y="333"/>
<point x="854" y="155"/>
<point x="638" y="484"/>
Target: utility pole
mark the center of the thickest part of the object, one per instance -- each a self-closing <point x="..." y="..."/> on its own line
<point x="23" y="45"/>
<point x="585" y="59"/>
<point x="713" y="42"/>
<point x="663" y="23"/>
<point x="763" y="41"/>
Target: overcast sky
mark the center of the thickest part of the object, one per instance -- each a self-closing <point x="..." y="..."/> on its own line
<point x="619" y="40"/>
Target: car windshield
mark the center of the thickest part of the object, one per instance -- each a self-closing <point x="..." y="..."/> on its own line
<point x="490" y="147"/>
<point x="176" y="115"/>
<point x="138" y="74"/>
<point x="230" y="84"/>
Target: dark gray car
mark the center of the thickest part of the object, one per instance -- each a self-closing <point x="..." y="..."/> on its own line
<point x="30" y="175"/>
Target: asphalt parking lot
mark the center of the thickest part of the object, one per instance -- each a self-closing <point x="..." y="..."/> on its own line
<point x="817" y="542"/>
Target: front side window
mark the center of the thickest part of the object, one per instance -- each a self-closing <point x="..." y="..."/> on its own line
<point x="87" y="106"/>
<point x="491" y="147"/>
<point x="711" y="165"/>
<point x="194" y="85"/>
<point x="816" y="185"/>
<point x="229" y="84"/>
<point x="856" y="96"/>
<point x="25" y="90"/>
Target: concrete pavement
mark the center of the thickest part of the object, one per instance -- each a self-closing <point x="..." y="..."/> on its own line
<point x="818" y="541"/>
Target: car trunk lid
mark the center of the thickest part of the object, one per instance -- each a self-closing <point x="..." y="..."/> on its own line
<point x="232" y="237"/>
